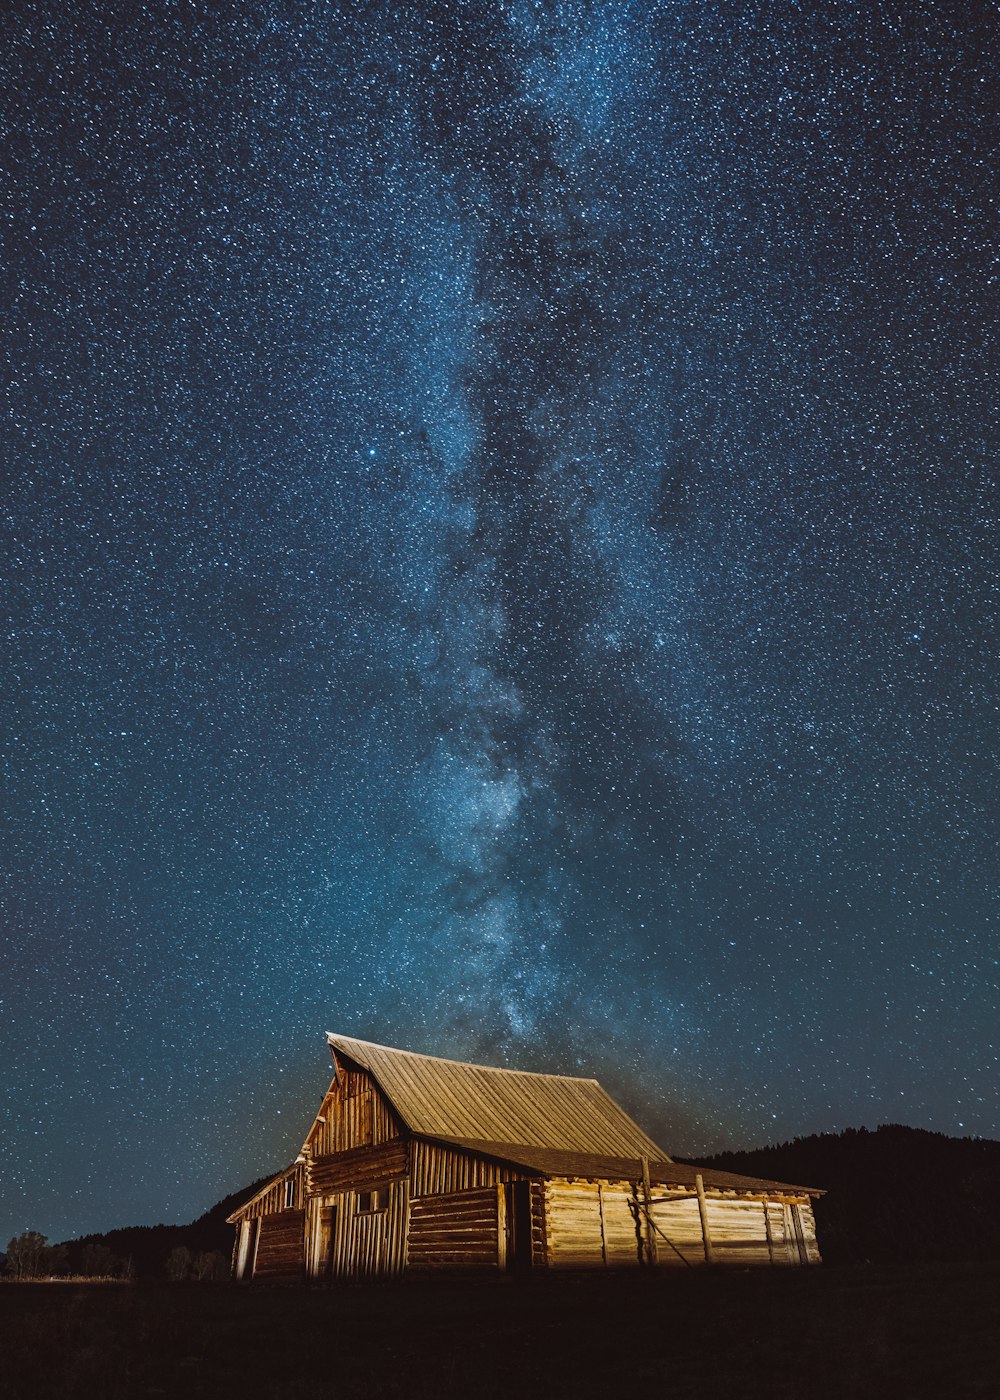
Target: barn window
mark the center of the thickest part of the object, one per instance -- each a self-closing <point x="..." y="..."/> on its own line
<point x="289" y="1192"/>
<point x="375" y="1199"/>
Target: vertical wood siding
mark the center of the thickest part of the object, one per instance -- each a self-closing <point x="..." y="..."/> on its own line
<point x="377" y="1243"/>
<point x="345" y="1242"/>
<point x="800" y="1228"/>
<point x="809" y="1227"/>
<point x="273" y="1199"/>
<point x="437" y="1170"/>
<point x="354" y="1114"/>
<point x="318" y="1237"/>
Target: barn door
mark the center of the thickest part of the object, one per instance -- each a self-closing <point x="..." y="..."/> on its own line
<point x="324" y="1242"/>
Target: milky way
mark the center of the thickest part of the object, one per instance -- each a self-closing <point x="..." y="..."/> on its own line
<point x="499" y="553"/>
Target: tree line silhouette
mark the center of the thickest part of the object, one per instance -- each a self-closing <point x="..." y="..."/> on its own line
<point x="198" y="1252"/>
<point x="894" y="1195"/>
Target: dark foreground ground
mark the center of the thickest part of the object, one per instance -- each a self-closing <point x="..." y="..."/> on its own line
<point x="817" y="1333"/>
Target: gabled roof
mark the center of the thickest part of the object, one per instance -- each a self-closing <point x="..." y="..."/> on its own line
<point x="494" y="1108"/>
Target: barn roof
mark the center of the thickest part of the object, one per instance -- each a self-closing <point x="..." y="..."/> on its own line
<point x="550" y="1162"/>
<point x="493" y="1108"/>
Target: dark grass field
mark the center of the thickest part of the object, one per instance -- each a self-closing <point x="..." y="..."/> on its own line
<point x="844" y="1333"/>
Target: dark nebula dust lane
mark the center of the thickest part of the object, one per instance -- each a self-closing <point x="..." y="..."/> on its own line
<point x="498" y="554"/>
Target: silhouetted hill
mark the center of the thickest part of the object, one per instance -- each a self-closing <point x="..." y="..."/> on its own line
<point x="147" y="1246"/>
<point x="895" y="1195"/>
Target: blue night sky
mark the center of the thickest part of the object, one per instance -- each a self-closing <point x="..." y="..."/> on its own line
<point x="498" y="548"/>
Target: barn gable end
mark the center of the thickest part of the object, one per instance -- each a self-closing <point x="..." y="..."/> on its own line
<point x="416" y="1164"/>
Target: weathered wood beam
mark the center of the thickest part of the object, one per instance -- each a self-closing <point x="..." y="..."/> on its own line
<point x="703" y="1212"/>
<point x="647" y="1206"/>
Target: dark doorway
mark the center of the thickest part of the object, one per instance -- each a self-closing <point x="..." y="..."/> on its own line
<point x="518" y="1226"/>
<point x="329" y="1238"/>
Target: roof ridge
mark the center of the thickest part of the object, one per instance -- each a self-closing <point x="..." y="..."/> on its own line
<point x="332" y="1037"/>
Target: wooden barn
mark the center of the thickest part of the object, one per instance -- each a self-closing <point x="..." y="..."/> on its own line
<point x="416" y="1164"/>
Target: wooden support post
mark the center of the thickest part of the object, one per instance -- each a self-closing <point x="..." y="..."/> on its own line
<point x="703" y="1212"/>
<point x="501" y="1228"/>
<point x="604" y="1235"/>
<point x="647" y="1207"/>
<point x="800" y="1238"/>
<point x="768" y="1232"/>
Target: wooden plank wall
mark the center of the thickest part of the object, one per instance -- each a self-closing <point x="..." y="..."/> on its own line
<point x="803" y="1231"/>
<point x="458" y="1231"/>
<point x="272" y="1200"/>
<point x="438" y="1170"/>
<point x="345" y="1242"/>
<point x="354" y="1114"/>
<point x="318" y="1241"/>
<point x="376" y="1240"/>
<point x="809" y="1226"/>
<point x="280" y="1247"/>
<point x="243" y="1249"/>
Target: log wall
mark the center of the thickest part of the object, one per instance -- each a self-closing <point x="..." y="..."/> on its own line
<point x="677" y="1231"/>
<point x="358" y="1169"/>
<point x="279" y="1256"/>
<point x="454" y="1232"/>
<point x="739" y="1232"/>
<point x="539" y="1229"/>
<point x="743" y="1231"/>
<point x="589" y="1224"/>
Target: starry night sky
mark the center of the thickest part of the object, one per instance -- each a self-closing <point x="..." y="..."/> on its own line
<point x="498" y="548"/>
